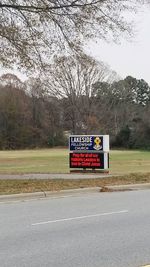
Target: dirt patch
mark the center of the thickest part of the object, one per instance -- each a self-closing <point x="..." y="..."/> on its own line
<point x="108" y="189"/>
<point x="104" y="189"/>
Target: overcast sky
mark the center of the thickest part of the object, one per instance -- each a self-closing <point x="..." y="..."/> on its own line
<point x="129" y="58"/>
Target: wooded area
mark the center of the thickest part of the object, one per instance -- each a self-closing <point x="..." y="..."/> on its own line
<point x="80" y="96"/>
<point x="68" y="92"/>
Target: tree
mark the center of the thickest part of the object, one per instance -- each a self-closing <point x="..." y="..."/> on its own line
<point x="10" y="79"/>
<point x="126" y="103"/>
<point x="46" y="115"/>
<point x="140" y="90"/>
<point x="123" y="137"/>
<point x="31" y="31"/>
<point x="71" y="79"/>
<point x="28" y="116"/>
<point x="15" y="131"/>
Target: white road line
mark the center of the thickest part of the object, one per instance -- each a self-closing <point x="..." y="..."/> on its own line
<point x="81" y="217"/>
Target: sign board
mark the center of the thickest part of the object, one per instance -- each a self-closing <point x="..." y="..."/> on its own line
<point x="89" y="160"/>
<point x="89" y="143"/>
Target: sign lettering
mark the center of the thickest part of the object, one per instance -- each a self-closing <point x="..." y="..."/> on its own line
<point x="86" y="143"/>
<point x="87" y="160"/>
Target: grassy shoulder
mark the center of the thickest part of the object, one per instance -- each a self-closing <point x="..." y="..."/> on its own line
<point x="30" y="186"/>
<point x="57" y="161"/>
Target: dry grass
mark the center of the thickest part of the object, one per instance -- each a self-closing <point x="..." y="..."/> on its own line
<point x="134" y="165"/>
<point x="57" y="161"/>
<point x="28" y="186"/>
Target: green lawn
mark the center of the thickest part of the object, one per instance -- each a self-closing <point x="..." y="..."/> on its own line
<point x="57" y="161"/>
<point x="132" y="161"/>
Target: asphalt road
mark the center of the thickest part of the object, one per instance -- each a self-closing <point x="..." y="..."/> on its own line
<point x="90" y="230"/>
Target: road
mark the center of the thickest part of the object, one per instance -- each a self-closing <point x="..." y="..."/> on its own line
<point x="90" y="230"/>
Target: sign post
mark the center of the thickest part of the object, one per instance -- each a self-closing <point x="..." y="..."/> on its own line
<point x="89" y="152"/>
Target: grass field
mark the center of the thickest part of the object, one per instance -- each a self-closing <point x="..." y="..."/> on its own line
<point x="57" y="161"/>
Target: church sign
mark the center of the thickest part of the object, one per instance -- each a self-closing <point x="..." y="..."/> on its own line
<point x="89" y="143"/>
<point x="89" y="151"/>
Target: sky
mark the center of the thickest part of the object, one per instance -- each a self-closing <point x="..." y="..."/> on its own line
<point x="130" y="57"/>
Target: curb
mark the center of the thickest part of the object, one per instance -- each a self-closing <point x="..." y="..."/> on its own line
<point x="45" y="194"/>
<point x="71" y="192"/>
<point x="53" y="176"/>
<point x="130" y="186"/>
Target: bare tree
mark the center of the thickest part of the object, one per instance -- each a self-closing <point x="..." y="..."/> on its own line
<point x="71" y="79"/>
<point x="10" y="79"/>
<point x="31" y="31"/>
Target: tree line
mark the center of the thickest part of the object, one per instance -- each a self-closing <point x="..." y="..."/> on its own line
<point x="77" y="95"/>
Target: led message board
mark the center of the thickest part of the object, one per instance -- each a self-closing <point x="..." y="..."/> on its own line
<point x="89" y="160"/>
